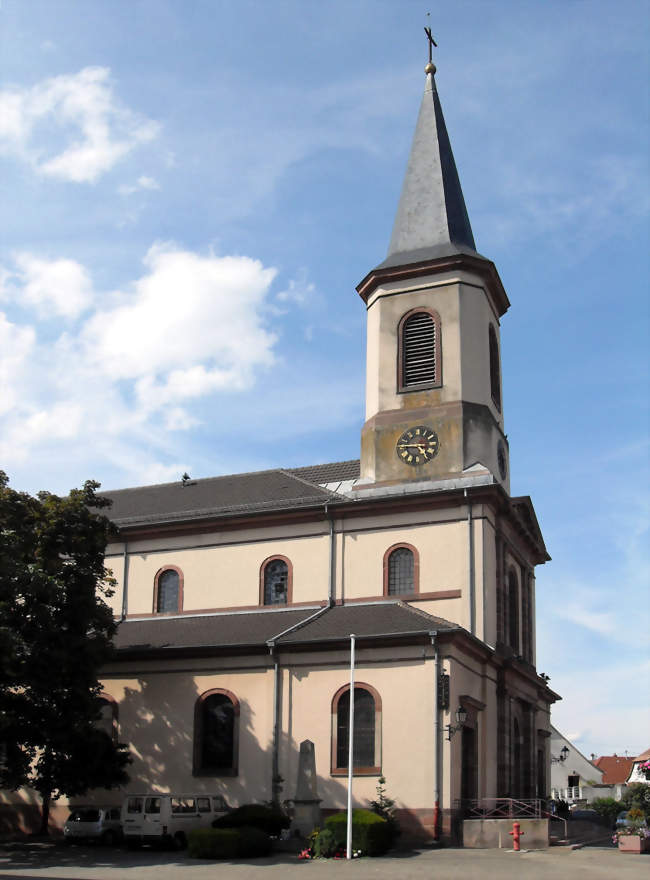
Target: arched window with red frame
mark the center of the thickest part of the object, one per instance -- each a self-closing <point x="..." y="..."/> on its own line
<point x="367" y="731"/>
<point x="168" y="590"/>
<point x="401" y="570"/>
<point x="276" y="581"/>
<point x="216" y="733"/>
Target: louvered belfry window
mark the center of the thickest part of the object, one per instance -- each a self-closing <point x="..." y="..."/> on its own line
<point x="420" y="351"/>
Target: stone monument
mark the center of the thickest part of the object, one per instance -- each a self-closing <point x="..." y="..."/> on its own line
<point x="306" y="803"/>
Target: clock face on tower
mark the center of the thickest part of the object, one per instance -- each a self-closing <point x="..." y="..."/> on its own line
<point x="417" y="445"/>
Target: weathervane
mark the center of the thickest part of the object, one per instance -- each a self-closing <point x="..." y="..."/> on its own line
<point x="432" y="43"/>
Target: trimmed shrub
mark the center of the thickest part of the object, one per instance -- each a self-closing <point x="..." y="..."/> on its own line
<point x="608" y="808"/>
<point x="228" y="843"/>
<point x="212" y="843"/>
<point x="271" y="820"/>
<point x="370" y="833"/>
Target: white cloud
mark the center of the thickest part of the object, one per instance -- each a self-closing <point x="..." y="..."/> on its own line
<point x="80" y="110"/>
<point x="16" y="345"/>
<point x="53" y="287"/>
<point x="190" y="326"/>
<point x="143" y="182"/>
<point x="605" y="724"/>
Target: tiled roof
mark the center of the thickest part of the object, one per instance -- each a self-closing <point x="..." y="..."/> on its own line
<point x="256" y="628"/>
<point x="381" y="618"/>
<point x="616" y="768"/>
<point x="229" y="495"/>
<point x="207" y="630"/>
<point x="329" y="473"/>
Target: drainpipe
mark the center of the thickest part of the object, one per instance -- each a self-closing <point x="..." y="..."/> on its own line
<point x="125" y="581"/>
<point x="470" y="544"/>
<point x="436" y="738"/>
<point x="331" y="601"/>
<point x="275" y="764"/>
<point x="275" y="758"/>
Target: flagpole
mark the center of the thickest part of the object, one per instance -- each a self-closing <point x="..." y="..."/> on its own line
<point x="350" y="749"/>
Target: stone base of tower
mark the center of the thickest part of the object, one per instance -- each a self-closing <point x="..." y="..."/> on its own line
<point x="469" y="441"/>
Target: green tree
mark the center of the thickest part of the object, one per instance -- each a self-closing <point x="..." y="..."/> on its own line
<point x="637" y="794"/>
<point x="55" y="634"/>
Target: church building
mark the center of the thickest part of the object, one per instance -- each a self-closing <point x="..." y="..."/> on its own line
<point x="237" y="595"/>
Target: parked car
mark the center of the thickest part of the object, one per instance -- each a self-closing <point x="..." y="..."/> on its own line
<point x="93" y="823"/>
<point x="167" y="818"/>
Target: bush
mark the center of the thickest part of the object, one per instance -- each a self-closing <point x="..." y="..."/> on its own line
<point x="385" y="807"/>
<point x="271" y="820"/>
<point x="608" y="808"/>
<point x="324" y="844"/>
<point x="228" y="843"/>
<point x="371" y="834"/>
<point x="637" y="794"/>
<point x="213" y="843"/>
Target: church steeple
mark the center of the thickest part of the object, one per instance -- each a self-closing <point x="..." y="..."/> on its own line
<point x="431" y="219"/>
<point x="434" y="411"/>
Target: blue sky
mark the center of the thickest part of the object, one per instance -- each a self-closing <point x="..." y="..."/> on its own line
<point x="191" y="192"/>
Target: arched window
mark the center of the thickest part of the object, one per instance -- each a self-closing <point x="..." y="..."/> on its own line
<point x="419" y="351"/>
<point x="513" y="611"/>
<point x="367" y="730"/>
<point x="216" y="733"/>
<point x="168" y="590"/>
<point x="107" y="720"/>
<point x="495" y="373"/>
<point x="276" y="581"/>
<point x="401" y="570"/>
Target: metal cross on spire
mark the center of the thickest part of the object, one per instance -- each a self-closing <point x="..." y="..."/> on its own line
<point x="431" y="41"/>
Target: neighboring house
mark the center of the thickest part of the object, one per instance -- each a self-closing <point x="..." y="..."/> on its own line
<point x="636" y="773"/>
<point x="238" y="595"/>
<point x="574" y="778"/>
<point x="616" y="772"/>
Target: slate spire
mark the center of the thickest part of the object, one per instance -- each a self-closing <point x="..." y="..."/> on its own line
<point x="431" y="218"/>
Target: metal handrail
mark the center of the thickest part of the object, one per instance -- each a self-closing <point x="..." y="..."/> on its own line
<point x="501" y="808"/>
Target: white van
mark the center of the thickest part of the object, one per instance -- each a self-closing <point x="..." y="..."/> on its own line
<point x="167" y="818"/>
<point x="93" y="823"/>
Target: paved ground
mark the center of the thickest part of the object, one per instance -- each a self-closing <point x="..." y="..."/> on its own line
<point x="36" y="861"/>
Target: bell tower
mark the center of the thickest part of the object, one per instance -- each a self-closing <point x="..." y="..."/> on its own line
<point x="434" y="407"/>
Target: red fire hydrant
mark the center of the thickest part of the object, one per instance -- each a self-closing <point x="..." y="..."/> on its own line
<point x="516" y="833"/>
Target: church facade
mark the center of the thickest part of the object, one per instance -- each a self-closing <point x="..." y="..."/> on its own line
<point x="237" y="596"/>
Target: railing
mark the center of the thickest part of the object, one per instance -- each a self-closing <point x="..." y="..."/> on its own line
<point x="507" y="808"/>
<point x="501" y="808"/>
<point x="569" y="794"/>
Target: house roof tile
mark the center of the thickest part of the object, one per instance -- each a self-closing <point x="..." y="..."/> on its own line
<point x="229" y="495"/>
<point x="616" y="768"/>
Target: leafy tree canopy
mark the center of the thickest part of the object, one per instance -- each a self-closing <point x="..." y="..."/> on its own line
<point x="55" y="635"/>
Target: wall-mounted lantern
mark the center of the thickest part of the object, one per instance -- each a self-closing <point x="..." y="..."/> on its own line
<point x="461" y="718"/>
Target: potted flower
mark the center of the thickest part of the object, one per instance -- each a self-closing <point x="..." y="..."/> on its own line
<point x="633" y="835"/>
<point x="644" y="767"/>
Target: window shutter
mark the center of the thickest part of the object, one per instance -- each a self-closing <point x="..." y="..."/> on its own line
<point x="419" y="344"/>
